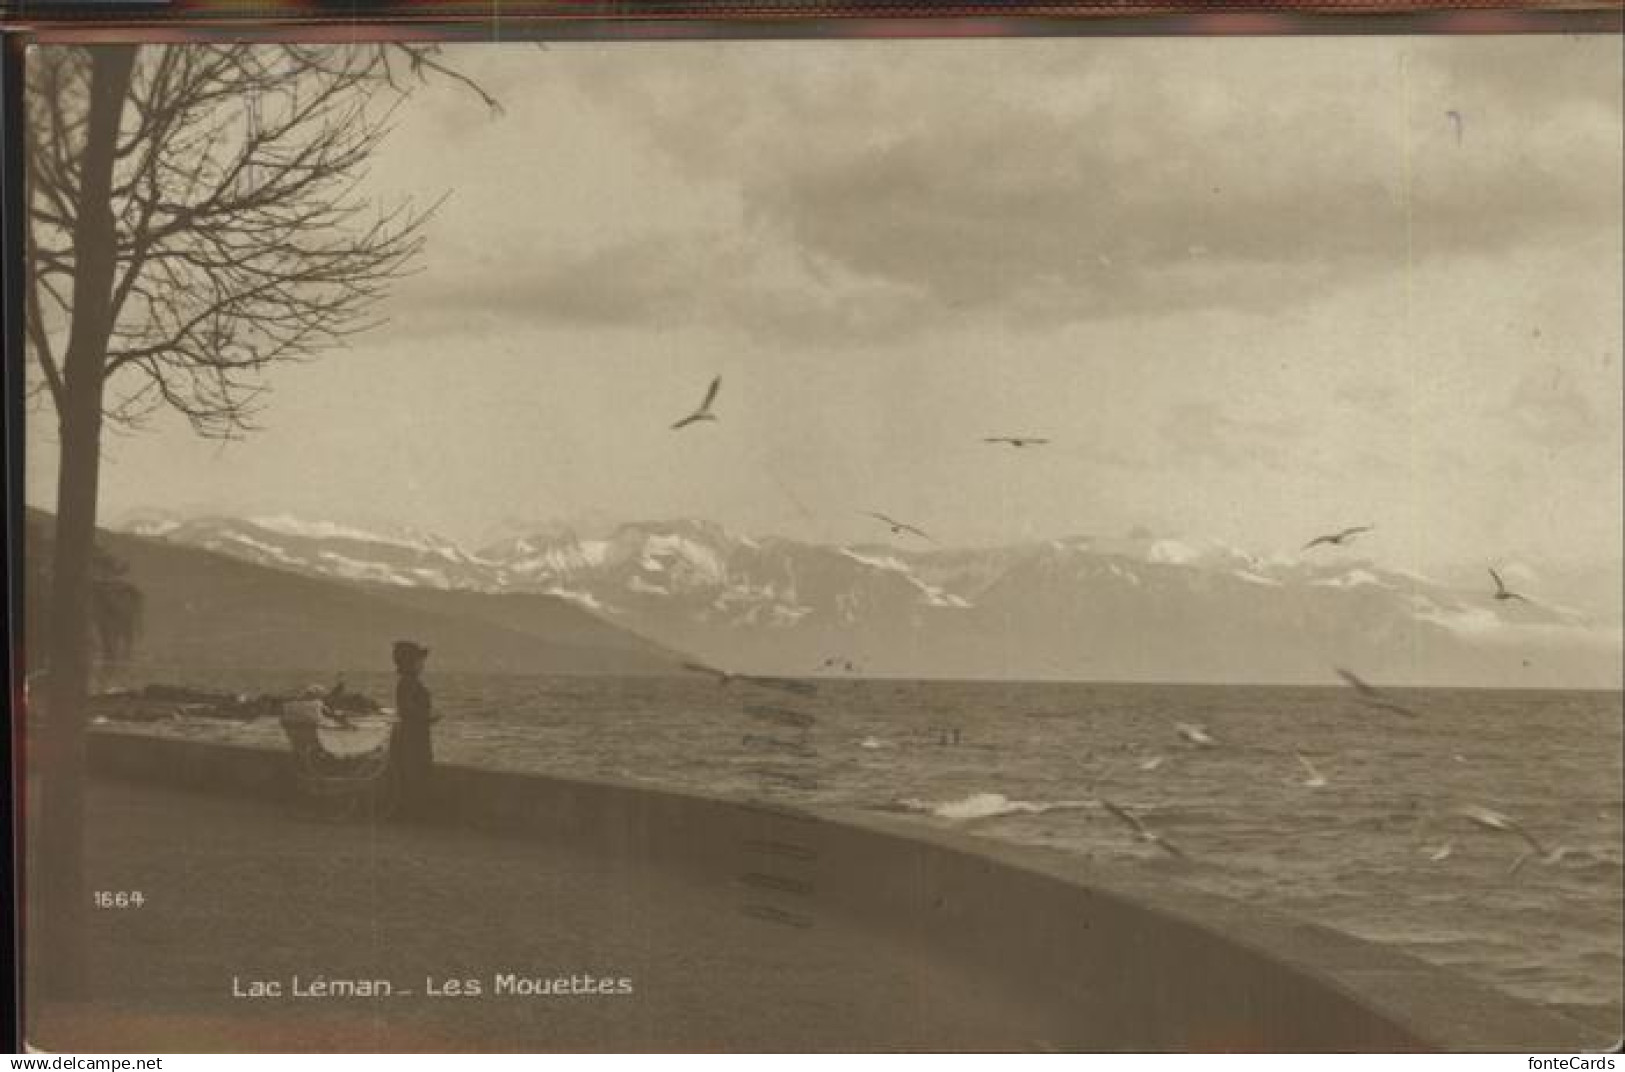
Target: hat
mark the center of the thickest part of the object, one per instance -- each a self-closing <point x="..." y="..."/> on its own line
<point x="409" y="649"/>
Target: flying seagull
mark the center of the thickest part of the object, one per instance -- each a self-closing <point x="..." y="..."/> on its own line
<point x="1502" y="592"/>
<point x="1494" y="820"/>
<point x="898" y="528"/>
<point x="704" y="412"/>
<point x="1195" y="735"/>
<point x="1315" y="779"/>
<point x="1372" y="696"/>
<point x="1016" y="441"/>
<point x="1338" y="539"/>
<point x="1141" y="831"/>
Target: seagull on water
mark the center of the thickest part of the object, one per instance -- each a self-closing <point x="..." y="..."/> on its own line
<point x="1152" y="763"/>
<point x="1502" y="592"/>
<point x="704" y="412"/>
<point x="1338" y="539"/>
<point x="1195" y="734"/>
<point x="1372" y="696"/>
<point x="1494" y="820"/>
<point x="1143" y="832"/>
<point x="1316" y="779"/>
<point x="1440" y="852"/>
<point x="898" y="528"/>
<point x="1016" y="441"/>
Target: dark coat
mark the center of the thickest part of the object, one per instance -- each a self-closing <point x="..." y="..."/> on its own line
<point x="411" y="750"/>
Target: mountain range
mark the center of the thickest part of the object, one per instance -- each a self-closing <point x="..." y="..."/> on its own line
<point x="205" y="611"/>
<point x="1079" y="608"/>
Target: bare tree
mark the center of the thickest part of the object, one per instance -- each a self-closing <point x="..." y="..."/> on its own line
<point x="116" y="603"/>
<point x="195" y="215"/>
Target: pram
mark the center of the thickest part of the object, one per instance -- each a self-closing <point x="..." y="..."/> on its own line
<point x="339" y="773"/>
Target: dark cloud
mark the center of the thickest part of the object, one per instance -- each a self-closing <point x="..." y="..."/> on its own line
<point x="1094" y="182"/>
<point x="698" y="276"/>
<point x="1039" y="215"/>
<point x="641" y="282"/>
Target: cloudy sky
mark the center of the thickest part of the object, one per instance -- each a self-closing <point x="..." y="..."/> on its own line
<point x="1251" y="289"/>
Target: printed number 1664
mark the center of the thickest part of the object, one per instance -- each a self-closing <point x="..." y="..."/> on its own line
<point x="119" y="899"/>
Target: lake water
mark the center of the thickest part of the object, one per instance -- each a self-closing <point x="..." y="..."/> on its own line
<point x="1365" y="852"/>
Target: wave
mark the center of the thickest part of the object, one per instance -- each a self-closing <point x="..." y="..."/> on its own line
<point x="1589" y="862"/>
<point x="985" y="806"/>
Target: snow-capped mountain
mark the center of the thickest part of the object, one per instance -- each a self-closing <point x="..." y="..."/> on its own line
<point x="215" y="614"/>
<point x="1136" y="608"/>
<point x="401" y="557"/>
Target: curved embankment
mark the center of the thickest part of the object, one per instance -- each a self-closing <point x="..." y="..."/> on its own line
<point x="1118" y="962"/>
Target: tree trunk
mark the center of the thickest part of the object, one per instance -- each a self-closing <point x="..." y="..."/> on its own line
<point x="60" y="949"/>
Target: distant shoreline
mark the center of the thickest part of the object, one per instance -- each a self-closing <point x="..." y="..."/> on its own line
<point x="170" y="673"/>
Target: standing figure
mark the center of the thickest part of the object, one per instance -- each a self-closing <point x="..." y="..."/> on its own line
<point x="410" y="749"/>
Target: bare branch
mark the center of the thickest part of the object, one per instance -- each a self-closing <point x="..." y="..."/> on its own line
<point x="244" y="236"/>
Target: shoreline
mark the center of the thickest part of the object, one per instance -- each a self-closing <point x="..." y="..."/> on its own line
<point x="1001" y="909"/>
<point x="125" y="678"/>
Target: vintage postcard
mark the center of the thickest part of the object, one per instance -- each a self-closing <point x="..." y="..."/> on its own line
<point x="1031" y="543"/>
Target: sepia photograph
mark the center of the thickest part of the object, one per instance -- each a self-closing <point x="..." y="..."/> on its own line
<point x="961" y="544"/>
